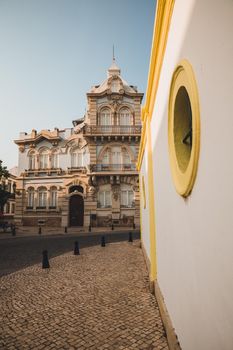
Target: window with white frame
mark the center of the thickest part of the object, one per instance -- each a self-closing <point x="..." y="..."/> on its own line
<point x="54" y="160"/>
<point x="42" y="197"/>
<point x="104" y="198"/>
<point x="44" y="159"/>
<point x="77" y="159"/>
<point x="116" y="155"/>
<point x="105" y="117"/>
<point x="127" y="196"/>
<point x="32" y="161"/>
<point x="106" y="157"/>
<point x="7" y="208"/>
<point x="53" y="197"/>
<point x="31" y="197"/>
<point x="126" y="157"/>
<point x="125" y="117"/>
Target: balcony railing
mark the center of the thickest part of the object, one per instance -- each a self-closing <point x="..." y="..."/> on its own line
<point x="113" y="167"/>
<point x="112" y="130"/>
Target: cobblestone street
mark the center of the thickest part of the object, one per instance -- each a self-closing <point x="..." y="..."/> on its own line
<point x="98" y="300"/>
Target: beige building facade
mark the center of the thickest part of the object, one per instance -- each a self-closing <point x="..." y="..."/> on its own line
<point x="84" y="175"/>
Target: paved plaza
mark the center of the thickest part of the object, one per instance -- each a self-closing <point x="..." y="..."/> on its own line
<point x="97" y="300"/>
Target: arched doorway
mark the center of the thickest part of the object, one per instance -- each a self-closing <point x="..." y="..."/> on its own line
<point x="76" y="212"/>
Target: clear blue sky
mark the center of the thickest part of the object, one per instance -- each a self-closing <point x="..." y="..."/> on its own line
<point x="53" y="51"/>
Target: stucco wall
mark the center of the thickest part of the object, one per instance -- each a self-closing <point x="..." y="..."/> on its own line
<point x="145" y="224"/>
<point x="194" y="235"/>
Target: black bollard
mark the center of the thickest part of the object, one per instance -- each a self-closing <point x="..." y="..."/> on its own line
<point x="45" y="261"/>
<point x="65" y="229"/>
<point x="103" y="241"/>
<point x="130" y="237"/>
<point x="89" y="228"/>
<point x="112" y="227"/>
<point x="76" y="248"/>
<point x="39" y="230"/>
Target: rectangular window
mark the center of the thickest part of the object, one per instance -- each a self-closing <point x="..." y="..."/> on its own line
<point x="44" y="161"/>
<point x="31" y="162"/>
<point x="31" y="199"/>
<point x="53" y="199"/>
<point x="127" y="198"/>
<point x="54" y="161"/>
<point x="77" y="159"/>
<point x="80" y="159"/>
<point x="105" y="199"/>
<point x="7" y="208"/>
<point x="42" y="199"/>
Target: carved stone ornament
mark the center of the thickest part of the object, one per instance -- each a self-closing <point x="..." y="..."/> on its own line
<point x="91" y="190"/>
<point x="22" y="148"/>
<point x="115" y="190"/>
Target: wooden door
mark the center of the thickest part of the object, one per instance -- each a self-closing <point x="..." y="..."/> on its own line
<point x="76" y="210"/>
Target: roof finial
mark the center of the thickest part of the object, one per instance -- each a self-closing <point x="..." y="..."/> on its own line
<point x="113" y="54"/>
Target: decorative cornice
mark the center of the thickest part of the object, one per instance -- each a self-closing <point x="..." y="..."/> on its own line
<point x="52" y="136"/>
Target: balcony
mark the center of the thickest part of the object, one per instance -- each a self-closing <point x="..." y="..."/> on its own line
<point x="116" y="130"/>
<point x="42" y="172"/>
<point x="75" y="169"/>
<point x="113" y="167"/>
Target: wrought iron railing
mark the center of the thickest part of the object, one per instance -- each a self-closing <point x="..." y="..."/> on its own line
<point x="113" y="167"/>
<point x="112" y="130"/>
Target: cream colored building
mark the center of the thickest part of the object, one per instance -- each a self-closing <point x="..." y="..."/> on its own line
<point x="85" y="174"/>
<point x="186" y="172"/>
<point x="9" y="207"/>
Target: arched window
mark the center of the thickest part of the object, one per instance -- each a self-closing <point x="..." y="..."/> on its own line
<point x="42" y="197"/>
<point x="44" y="159"/>
<point x="77" y="158"/>
<point x="32" y="160"/>
<point x="127" y="196"/>
<point x="53" y="197"/>
<point x="54" y="160"/>
<point x="105" y="117"/>
<point x="125" y="117"/>
<point x="31" y="197"/>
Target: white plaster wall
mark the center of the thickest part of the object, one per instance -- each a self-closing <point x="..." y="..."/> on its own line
<point x="194" y="236"/>
<point x="145" y="221"/>
<point x="65" y="160"/>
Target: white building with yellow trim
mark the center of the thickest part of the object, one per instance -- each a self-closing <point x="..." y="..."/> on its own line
<point x="186" y="172"/>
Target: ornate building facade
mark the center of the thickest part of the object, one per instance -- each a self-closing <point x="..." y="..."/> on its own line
<point x="84" y="175"/>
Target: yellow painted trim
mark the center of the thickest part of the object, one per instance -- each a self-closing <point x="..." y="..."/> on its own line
<point x="183" y="76"/>
<point x="143" y="192"/>
<point x="153" y="254"/>
<point x="140" y="192"/>
<point x="163" y="16"/>
<point x="142" y="146"/>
